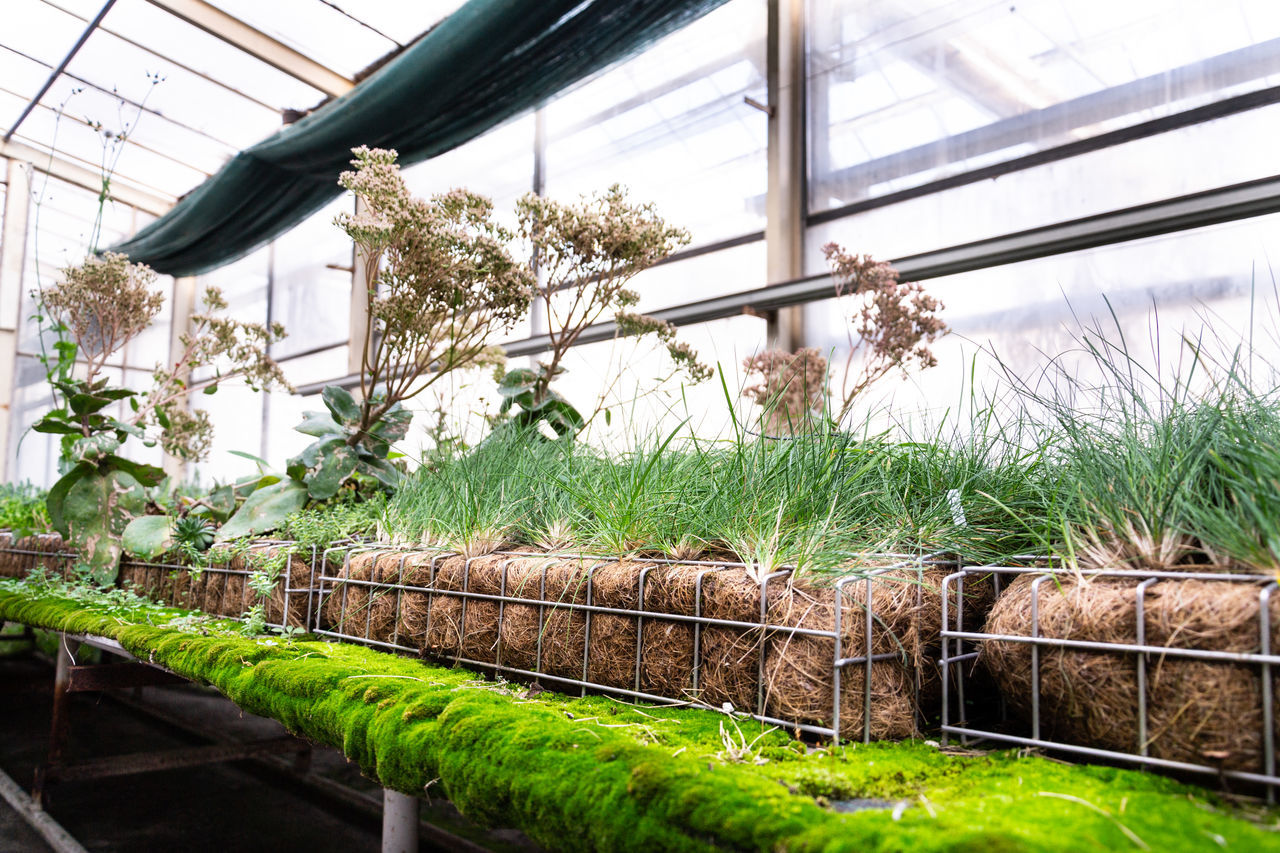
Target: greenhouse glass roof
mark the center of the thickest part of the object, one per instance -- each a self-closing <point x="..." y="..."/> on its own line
<point x="197" y="87"/>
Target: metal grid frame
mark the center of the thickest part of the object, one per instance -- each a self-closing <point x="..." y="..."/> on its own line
<point x="335" y="584"/>
<point x="35" y="558"/>
<point x="290" y="587"/>
<point x="961" y="644"/>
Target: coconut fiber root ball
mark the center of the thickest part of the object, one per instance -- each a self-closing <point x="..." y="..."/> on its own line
<point x="1202" y="712"/>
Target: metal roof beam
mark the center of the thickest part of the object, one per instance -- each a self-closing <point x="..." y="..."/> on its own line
<point x="56" y="4"/>
<point x="62" y="66"/>
<point x="80" y="176"/>
<point x="256" y="43"/>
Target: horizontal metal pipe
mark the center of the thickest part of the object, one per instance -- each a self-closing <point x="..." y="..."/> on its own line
<point x="1136" y="648"/>
<point x="590" y="608"/>
<point x="1129" y="757"/>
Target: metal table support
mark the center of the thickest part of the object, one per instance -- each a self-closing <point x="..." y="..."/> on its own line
<point x="70" y="677"/>
<point x="399" y="822"/>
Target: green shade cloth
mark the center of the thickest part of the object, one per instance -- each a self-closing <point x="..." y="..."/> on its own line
<point x="487" y="62"/>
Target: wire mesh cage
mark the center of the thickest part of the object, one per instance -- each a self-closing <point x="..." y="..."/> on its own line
<point x="847" y="659"/>
<point x="283" y="573"/>
<point x="1166" y="669"/>
<point x="22" y="554"/>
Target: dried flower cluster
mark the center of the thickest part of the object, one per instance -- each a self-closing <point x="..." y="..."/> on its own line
<point x="686" y="360"/>
<point x="104" y="302"/>
<point x="791" y="388"/>
<point x="229" y="349"/>
<point x="440" y="281"/>
<point x="586" y="253"/>
<point x="896" y="322"/>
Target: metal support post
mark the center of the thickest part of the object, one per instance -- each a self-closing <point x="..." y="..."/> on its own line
<point x="399" y="822"/>
<point x="359" y="337"/>
<point x="60" y="726"/>
<point x="13" y="254"/>
<point x="785" y="206"/>
<point x="184" y="305"/>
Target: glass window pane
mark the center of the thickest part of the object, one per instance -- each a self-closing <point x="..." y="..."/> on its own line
<point x="400" y="21"/>
<point x="311" y="283"/>
<point x="314" y="29"/>
<point x="1137" y="172"/>
<point x="902" y="93"/>
<point x="33" y="456"/>
<point x="672" y="125"/>
<point x="39" y="30"/>
<point x="170" y="36"/>
<point x="1211" y="281"/>
<point x="184" y="97"/>
<point x="235" y="410"/>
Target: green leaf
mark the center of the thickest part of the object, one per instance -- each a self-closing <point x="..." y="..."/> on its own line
<point x="262" y="463"/>
<point x="319" y="424"/>
<point x="336" y="464"/>
<point x="127" y="429"/>
<point x="147" y="475"/>
<point x="148" y="537"/>
<point x="94" y="448"/>
<point x="561" y="416"/>
<point x="96" y="510"/>
<point x="87" y="404"/>
<point x="339" y="401"/>
<point x="211" y="389"/>
<point x="515" y="382"/>
<point x="387" y="474"/>
<point x="394" y="425"/>
<point x="55" y="423"/>
<point x="264" y="510"/>
<point x="222" y="502"/>
<point x="55" y="501"/>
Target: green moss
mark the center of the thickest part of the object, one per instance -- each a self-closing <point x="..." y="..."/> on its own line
<point x="596" y="774"/>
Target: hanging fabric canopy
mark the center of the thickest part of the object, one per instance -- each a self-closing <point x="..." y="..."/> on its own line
<point x="487" y="62"/>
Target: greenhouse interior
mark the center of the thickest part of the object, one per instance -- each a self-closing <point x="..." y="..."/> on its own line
<point x="510" y="425"/>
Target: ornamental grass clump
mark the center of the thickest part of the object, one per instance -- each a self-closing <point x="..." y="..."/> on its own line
<point x="1153" y="475"/>
<point x="1158" y="473"/>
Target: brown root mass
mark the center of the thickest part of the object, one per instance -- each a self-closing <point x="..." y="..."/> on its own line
<point x="460" y="626"/>
<point x="49" y="555"/>
<point x="1203" y="712"/>
<point x="222" y="588"/>
<point x="714" y="664"/>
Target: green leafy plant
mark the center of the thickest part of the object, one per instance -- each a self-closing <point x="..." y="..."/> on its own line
<point x="22" y="509"/>
<point x="346" y="446"/>
<point x="519" y="389"/>
<point x="103" y="304"/>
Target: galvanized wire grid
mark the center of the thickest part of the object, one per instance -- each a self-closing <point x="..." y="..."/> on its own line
<point x="337" y="584"/>
<point x="961" y="643"/>
<point x="298" y="592"/>
<point x="30" y="558"/>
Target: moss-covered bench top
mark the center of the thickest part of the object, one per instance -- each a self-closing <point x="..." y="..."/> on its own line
<point x="598" y="774"/>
